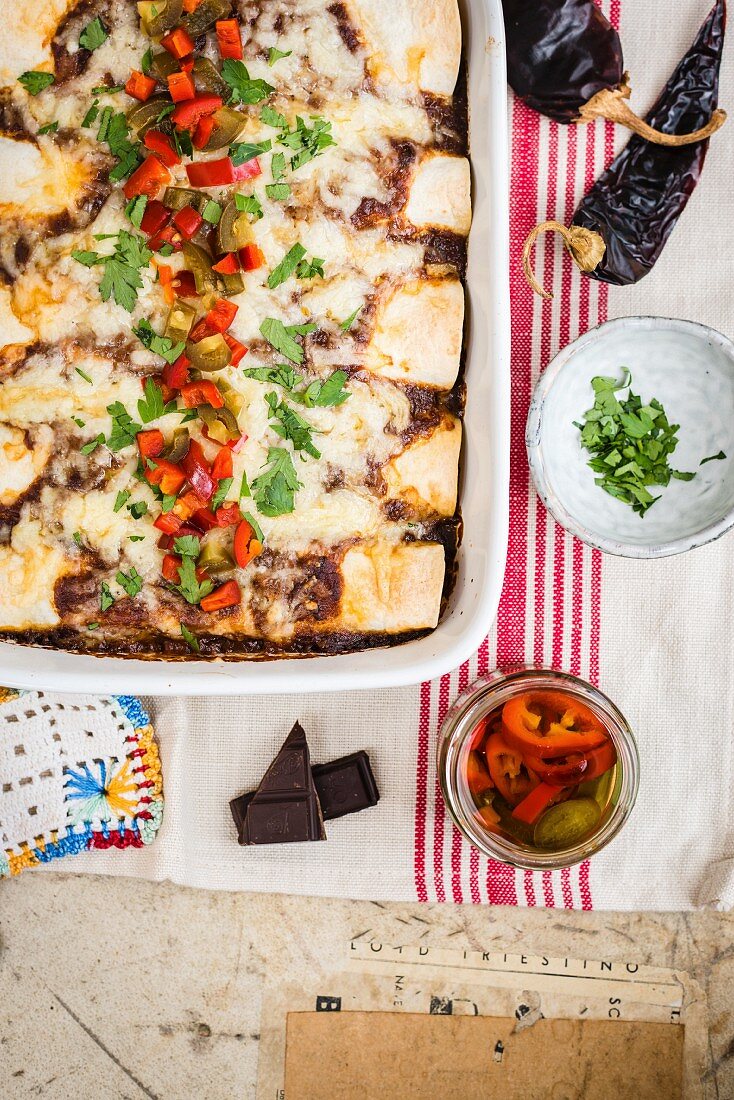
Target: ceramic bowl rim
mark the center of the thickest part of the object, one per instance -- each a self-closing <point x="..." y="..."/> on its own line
<point x="616" y="547"/>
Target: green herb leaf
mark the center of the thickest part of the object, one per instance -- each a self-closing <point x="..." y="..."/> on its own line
<point x="289" y="425"/>
<point x="257" y="529"/>
<point x="713" y="458"/>
<point x="277" y="165"/>
<point x="281" y="375"/>
<point x="35" y="82"/>
<point x="278" y="192"/>
<point x="106" y="599"/>
<point x="108" y="89"/>
<point x="275" y="487"/>
<point x="83" y="374"/>
<point x="91" y="115"/>
<point x="124" y="428"/>
<point x="89" y="259"/>
<point x="287" y="266"/>
<point x="121" y="279"/>
<point x="151" y="407"/>
<point x="346" y="324"/>
<point x="138" y="509"/>
<point x="121" y="500"/>
<point x="77" y="539"/>
<point x="307" y="142"/>
<point x="242" y="151"/>
<point x="189" y="587"/>
<point x="309" y="269"/>
<point x="132" y="582"/>
<point x="325" y="394"/>
<point x="249" y="204"/>
<point x="211" y="212"/>
<point x="168" y="501"/>
<point x="187" y="546"/>
<point x="222" y="489"/>
<point x="92" y="626"/>
<point x="49" y="128"/>
<point x="78" y="421"/>
<point x="191" y="640"/>
<point x="93" y="35"/>
<point x="160" y="345"/>
<point x="244" y="488"/>
<point x="281" y="338"/>
<point x="270" y="117"/>
<point x="146" y="61"/>
<point x="275" y="54"/>
<point x="243" y="89"/>
<point x="135" y="209"/>
<point x="92" y="445"/>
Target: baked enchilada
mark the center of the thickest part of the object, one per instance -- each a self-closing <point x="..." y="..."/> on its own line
<point x="232" y="242"/>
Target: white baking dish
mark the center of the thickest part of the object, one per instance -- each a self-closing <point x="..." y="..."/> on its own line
<point x="485" y="476"/>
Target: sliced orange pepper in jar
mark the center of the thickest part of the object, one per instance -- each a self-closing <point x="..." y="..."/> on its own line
<point x="509" y="774"/>
<point x="477" y="776"/>
<point x="550" y="724"/>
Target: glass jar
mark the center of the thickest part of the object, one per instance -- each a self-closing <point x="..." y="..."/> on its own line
<point x="486" y="696"/>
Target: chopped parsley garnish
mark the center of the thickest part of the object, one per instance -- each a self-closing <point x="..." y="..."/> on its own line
<point x="289" y="425"/>
<point x="78" y="421"/>
<point x="277" y="165"/>
<point x="160" y="345"/>
<point x="713" y="458"/>
<point x="121" y="279"/>
<point x="630" y="443"/>
<point x="35" y="82"/>
<point x="281" y="375"/>
<point x="244" y="488"/>
<point x="257" y="529"/>
<point x="132" y="582"/>
<point x="91" y="115"/>
<point x="222" y="489"/>
<point x="281" y="337"/>
<point x="307" y="142"/>
<point x="242" y="151"/>
<point x="136" y="538"/>
<point x="49" y="128"/>
<point x="108" y="89"/>
<point x="92" y="626"/>
<point x="92" y="445"/>
<point x="138" y="509"/>
<point x="187" y="546"/>
<point x="135" y="209"/>
<point x="211" y="212"/>
<point x="275" y="487"/>
<point x="151" y="406"/>
<point x="274" y="54"/>
<point x="114" y="130"/>
<point x="77" y="538"/>
<point x="183" y="143"/>
<point x="93" y="35"/>
<point x="188" y="585"/>
<point x="106" y="599"/>
<point x="243" y="89"/>
<point x="325" y="394"/>
<point x="83" y="374"/>
<point x="249" y="204"/>
<point x="146" y="61"/>
<point x="191" y="640"/>
<point x="121" y="500"/>
<point x="124" y="428"/>
<point x="287" y="266"/>
<point x="347" y="323"/>
<point x="278" y="192"/>
<point x="270" y="117"/>
<point x="309" y="269"/>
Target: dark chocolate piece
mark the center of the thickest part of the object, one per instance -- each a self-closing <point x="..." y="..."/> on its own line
<point x="344" y="786"/>
<point x="285" y="807"/>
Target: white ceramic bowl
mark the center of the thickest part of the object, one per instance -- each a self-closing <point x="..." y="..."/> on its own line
<point x="689" y="368"/>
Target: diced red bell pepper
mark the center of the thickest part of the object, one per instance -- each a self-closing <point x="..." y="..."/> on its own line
<point x="188" y="222"/>
<point x="204" y="519"/>
<point x="228" y="38"/>
<point x="222" y="465"/>
<point x="196" y="468"/>
<point x="221" y="315"/>
<point x="228" y="515"/>
<point x="168" y="235"/>
<point x="167" y="475"/>
<point x="236" y="445"/>
<point x="187" y="115"/>
<point x="178" y="42"/>
<point x="227" y="595"/>
<point x="147" y="179"/>
<point x="176" y="374"/>
<point x="247" y="171"/>
<point x="228" y="264"/>
<point x="203" y="392"/>
<point x="170" y="568"/>
<point x="203" y="132"/>
<point x="251" y="257"/>
<point x="140" y="86"/>
<point x="211" y="173"/>
<point x="184" y="284"/>
<point x="186" y="505"/>
<point x="168" y="522"/>
<point x="181" y="87"/>
<point x="532" y="806"/>
<point x="239" y="351"/>
<point x="155" y="217"/>
<point x="165" y="278"/>
<point x="150" y="443"/>
<point x="160" y="144"/>
<point x="246" y="546"/>
<point x="191" y="5"/>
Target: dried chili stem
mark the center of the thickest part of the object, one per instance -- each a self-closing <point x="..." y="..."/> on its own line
<point x="611" y="104"/>
<point x="585" y="246"/>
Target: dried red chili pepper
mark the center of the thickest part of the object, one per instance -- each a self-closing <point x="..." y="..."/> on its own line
<point x="564" y="58"/>
<point x="621" y="226"/>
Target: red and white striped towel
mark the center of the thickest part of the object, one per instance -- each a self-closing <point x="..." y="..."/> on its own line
<point x="657" y="636"/>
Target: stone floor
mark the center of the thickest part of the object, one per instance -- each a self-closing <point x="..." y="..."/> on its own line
<point x="112" y="988"/>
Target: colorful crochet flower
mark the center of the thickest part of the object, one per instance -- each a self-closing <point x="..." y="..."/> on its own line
<point x="104" y="791"/>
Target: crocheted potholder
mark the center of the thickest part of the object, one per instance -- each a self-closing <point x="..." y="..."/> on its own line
<point x="75" y="773"/>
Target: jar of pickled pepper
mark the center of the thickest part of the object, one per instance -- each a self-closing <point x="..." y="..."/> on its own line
<point x="537" y="768"/>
